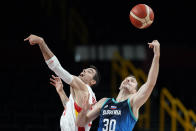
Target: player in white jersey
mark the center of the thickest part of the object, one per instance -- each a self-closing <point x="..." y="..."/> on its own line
<point x="67" y="122"/>
<point x="79" y="86"/>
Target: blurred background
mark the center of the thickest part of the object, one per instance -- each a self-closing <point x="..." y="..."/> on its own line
<point x="83" y="33"/>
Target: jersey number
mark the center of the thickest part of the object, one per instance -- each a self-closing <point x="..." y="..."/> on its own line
<point x="111" y="124"/>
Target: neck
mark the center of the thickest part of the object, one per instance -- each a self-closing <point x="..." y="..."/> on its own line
<point x="83" y="80"/>
<point x="123" y="95"/>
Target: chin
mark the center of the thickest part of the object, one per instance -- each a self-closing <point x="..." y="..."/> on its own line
<point x="129" y="89"/>
<point x="123" y="87"/>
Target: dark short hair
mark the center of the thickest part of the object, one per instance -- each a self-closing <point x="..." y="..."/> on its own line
<point x="97" y="76"/>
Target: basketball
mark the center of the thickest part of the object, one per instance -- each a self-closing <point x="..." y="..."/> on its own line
<point x="141" y="16"/>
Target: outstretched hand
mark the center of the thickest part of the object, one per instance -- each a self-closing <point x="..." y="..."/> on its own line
<point x="156" y="47"/>
<point x="57" y="83"/>
<point x="33" y="39"/>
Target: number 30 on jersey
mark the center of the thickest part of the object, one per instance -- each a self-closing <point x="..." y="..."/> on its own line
<point x="109" y="125"/>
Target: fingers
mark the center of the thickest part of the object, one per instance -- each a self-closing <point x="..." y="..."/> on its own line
<point x="55" y="80"/>
<point x="150" y="45"/>
<point x="52" y="80"/>
<point x="153" y="43"/>
<point x="52" y="83"/>
<point x="26" y="39"/>
<point x="55" y="77"/>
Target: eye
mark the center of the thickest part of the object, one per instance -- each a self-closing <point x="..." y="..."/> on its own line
<point x="132" y="80"/>
<point x="90" y="71"/>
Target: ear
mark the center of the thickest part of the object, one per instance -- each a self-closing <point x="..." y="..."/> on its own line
<point x="93" y="82"/>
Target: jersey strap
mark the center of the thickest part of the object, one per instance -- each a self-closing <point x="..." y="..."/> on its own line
<point x="128" y="102"/>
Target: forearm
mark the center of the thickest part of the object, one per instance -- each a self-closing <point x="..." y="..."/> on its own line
<point x="55" y="66"/>
<point x="146" y="89"/>
<point x="46" y="52"/>
<point x="63" y="97"/>
<point x="81" y="119"/>
<point x="154" y="69"/>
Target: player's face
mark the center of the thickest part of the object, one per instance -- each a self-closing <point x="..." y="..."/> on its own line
<point x="87" y="75"/>
<point x="129" y="83"/>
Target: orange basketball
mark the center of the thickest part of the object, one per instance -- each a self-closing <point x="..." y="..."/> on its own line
<point x="141" y="16"/>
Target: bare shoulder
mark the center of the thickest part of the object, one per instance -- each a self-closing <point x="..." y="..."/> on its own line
<point x="76" y="77"/>
<point x="77" y="83"/>
<point x="101" y="102"/>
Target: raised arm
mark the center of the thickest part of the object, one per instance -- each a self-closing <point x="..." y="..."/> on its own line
<point x="86" y="116"/>
<point x="146" y="89"/>
<point x="54" y="64"/>
<point x="57" y="83"/>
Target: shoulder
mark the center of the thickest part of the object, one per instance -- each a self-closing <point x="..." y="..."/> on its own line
<point x="77" y="83"/>
<point x="103" y="99"/>
<point x="101" y="102"/>
<point x="76" y="78"/>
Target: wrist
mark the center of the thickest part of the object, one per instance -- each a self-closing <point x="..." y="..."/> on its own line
<point x="60" y="91"/>
<point x="41" y="41"/>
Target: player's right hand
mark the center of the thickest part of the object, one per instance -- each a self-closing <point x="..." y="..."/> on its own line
<point x="33" y="39"/>
<point x="57" y="83"/>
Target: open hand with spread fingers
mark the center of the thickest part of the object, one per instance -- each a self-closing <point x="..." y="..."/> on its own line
<point x="57" y="83"/>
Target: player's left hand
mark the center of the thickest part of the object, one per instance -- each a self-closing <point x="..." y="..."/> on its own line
<point x="57" y="83"/>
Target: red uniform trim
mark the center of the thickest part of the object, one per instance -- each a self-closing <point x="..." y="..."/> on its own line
<point x="77" y="107"/>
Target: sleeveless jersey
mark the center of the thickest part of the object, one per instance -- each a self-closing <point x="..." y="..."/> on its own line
<point x="116" y="116"/>
<point x="69" y="116"/>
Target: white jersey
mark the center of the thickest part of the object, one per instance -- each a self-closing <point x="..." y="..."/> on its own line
<point x="70" y="113"/>
<point x="68" y="118"/>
